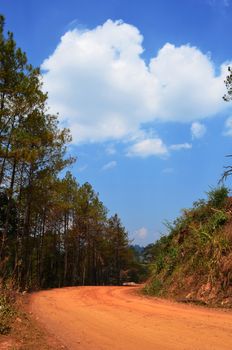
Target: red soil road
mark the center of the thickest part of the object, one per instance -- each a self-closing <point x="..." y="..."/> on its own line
<point x="118" y="318"/>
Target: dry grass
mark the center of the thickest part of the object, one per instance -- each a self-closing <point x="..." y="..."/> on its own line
<point x="26" y="333"/>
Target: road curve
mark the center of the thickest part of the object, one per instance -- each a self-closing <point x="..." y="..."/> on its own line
<point x="117" y="318"/>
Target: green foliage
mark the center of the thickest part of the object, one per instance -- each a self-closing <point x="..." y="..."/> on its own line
<point x="194" y="246"/>
<point x="228" y="83"/>
<point x="154" y="288"/>
<point x="228" y="97"/>
<point x="218" y="219"/>
<point x="53" y="232"/>
<point x="6" y="314"/>
<point x="217" y="197"/>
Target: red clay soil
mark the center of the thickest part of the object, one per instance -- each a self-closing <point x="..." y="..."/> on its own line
<point x="118" y="318"/>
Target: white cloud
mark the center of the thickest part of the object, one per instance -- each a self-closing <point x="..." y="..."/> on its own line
<point x="147" y="147"/>
<point x="141" y="233"/>
<point x="180" y="146"/>
<point x="104" y="90"/>
<point x="109" y="165"/>
<point x="198" y="130"/>
<point x="228" y="125"/>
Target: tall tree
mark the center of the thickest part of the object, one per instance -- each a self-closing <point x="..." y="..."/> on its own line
<point x="228" y="97"/>
<point x="53" y="232"/>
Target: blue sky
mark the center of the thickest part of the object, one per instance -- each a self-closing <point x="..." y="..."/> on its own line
<point x="140" y="85"/>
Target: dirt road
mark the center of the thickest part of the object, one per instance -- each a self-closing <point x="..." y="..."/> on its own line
<point x="116" y="318"/>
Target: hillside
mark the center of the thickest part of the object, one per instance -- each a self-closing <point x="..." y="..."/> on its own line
<point x="194" y="261"/>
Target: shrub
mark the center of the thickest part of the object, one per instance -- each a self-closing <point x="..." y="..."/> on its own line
<point x="154" y="287"/>
<point x="6" y="313"/>
<point x="217" y="197"/>
<point x="193" y="248"/>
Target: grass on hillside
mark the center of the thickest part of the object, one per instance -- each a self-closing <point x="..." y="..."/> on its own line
<point x="194" y="261"/>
